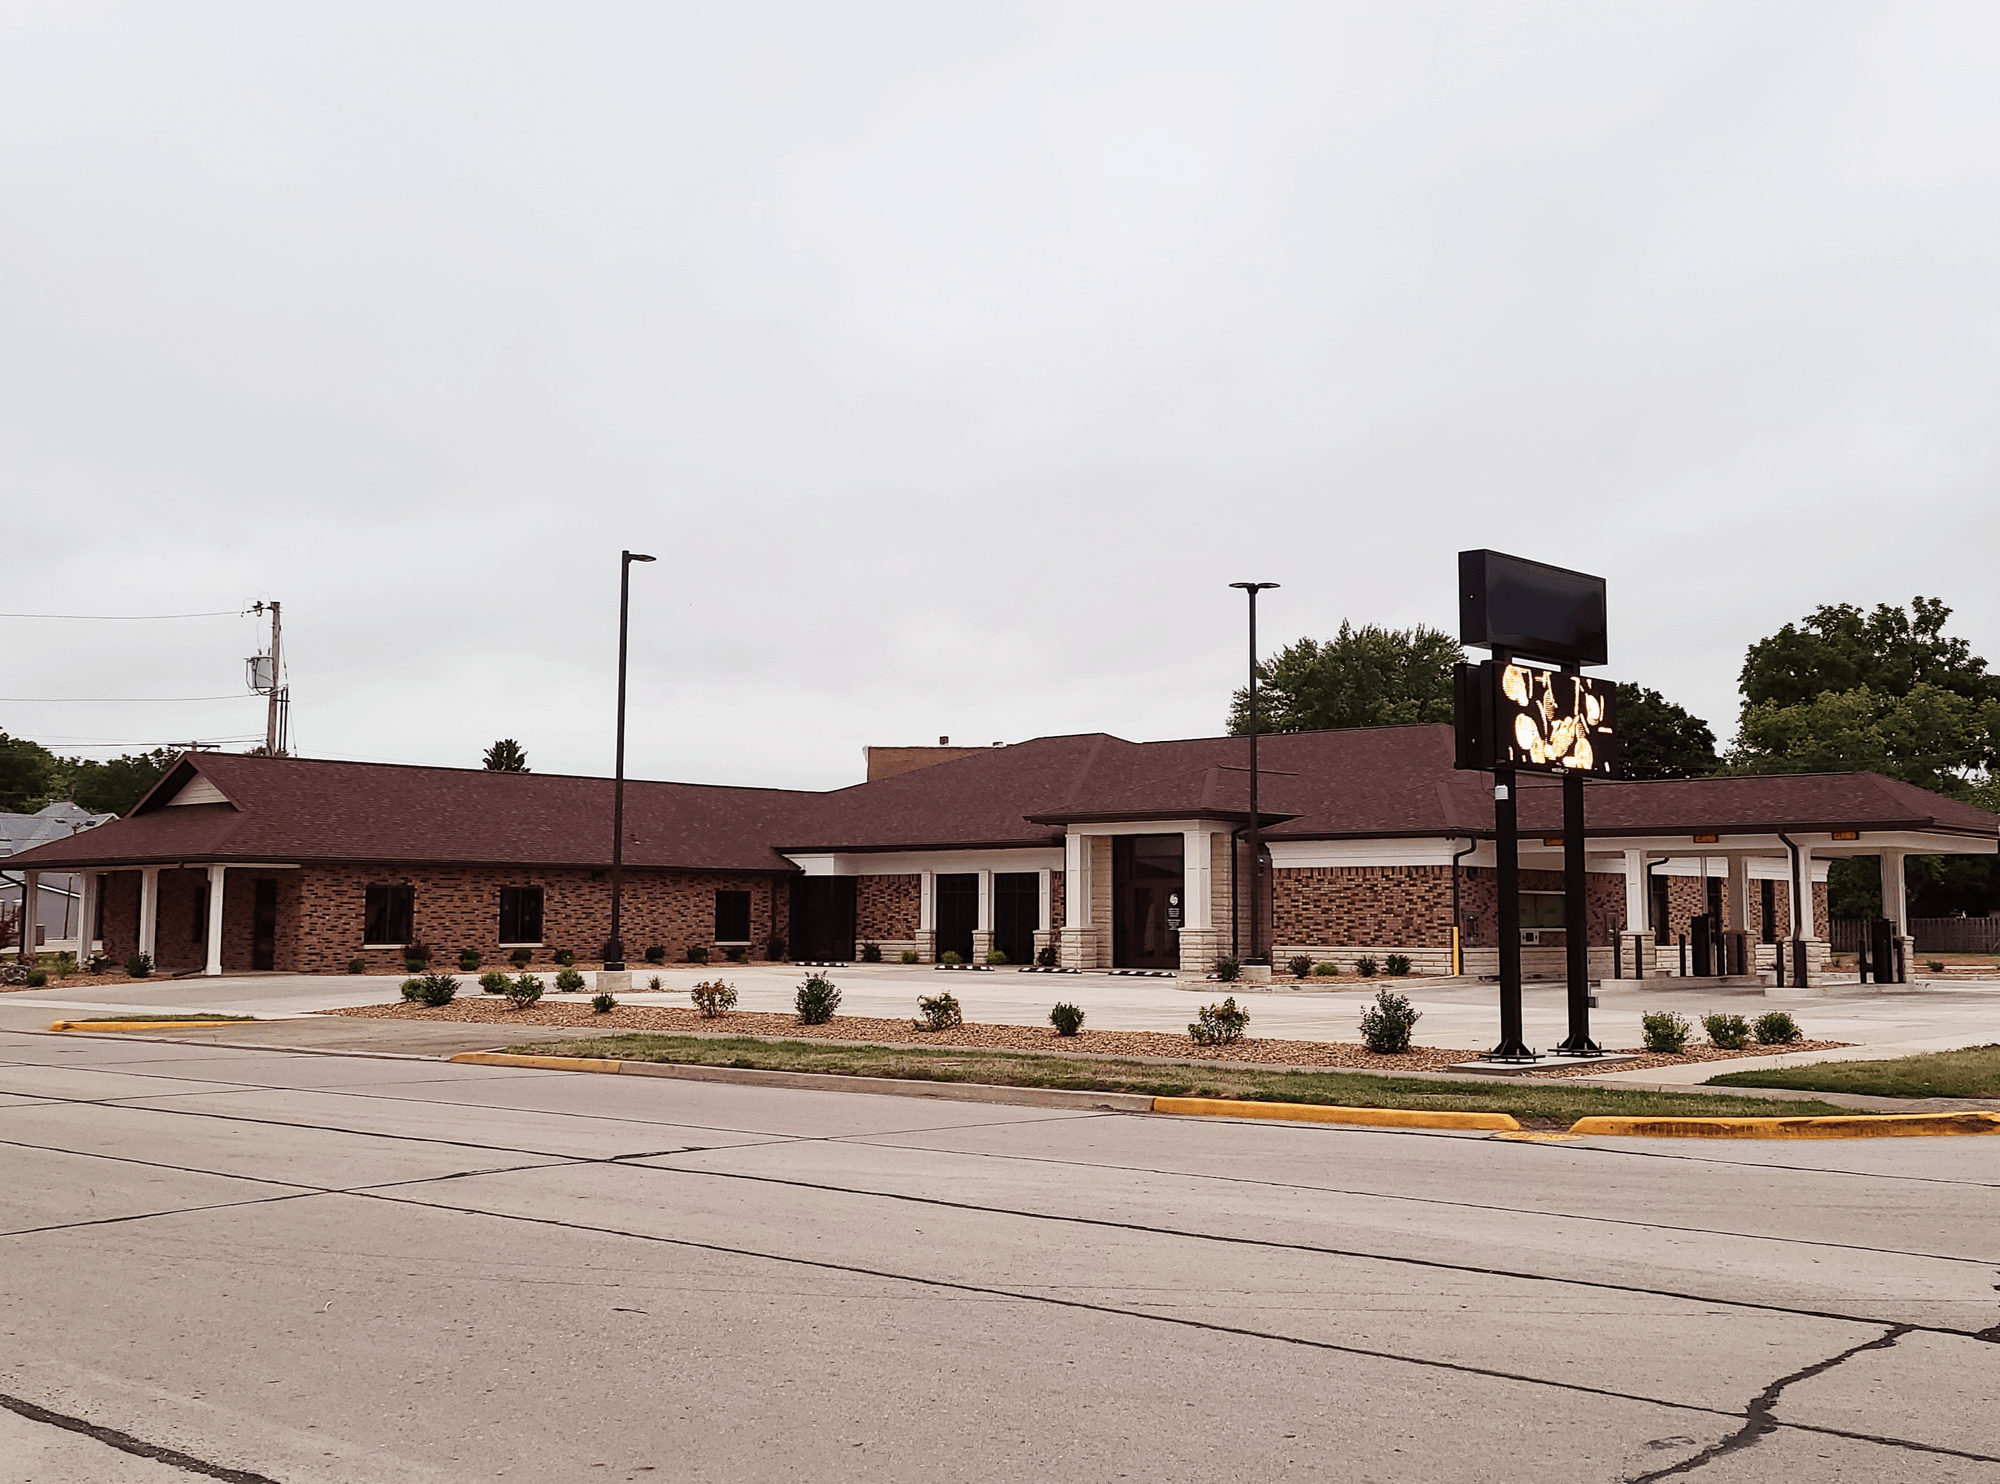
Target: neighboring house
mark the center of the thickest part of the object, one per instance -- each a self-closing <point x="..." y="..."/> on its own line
<point x="56" y="906"/>
<point x="1114" y="853"/>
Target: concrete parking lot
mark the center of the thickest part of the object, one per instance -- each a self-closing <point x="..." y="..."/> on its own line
<point x="267" y="1265"/>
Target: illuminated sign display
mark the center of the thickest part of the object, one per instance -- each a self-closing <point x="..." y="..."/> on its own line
<point x="1551" y="721"/>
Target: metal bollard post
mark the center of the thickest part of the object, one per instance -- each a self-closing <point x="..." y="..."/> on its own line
<point x="1684" y="955"/>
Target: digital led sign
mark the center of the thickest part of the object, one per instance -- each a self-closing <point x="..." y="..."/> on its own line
<point x="1522" y="717"/>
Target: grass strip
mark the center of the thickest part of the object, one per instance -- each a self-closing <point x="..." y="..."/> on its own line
<point x="1537" y="1105"/>
<point x="1971" y="1073"/>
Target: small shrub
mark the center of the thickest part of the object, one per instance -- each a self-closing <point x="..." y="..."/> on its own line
<point x="64" y="965"/>
<point x="468" y="960"/>
<point x="712" y="997"/>
<point x="1045" y="956"/>
<point x="657" y="954"/>
<point x="1219" y="1025"/>
<point x="816" y="1001"/>
<point x="654" y="984"/>
<point x="139" y="965"/>
<point x="523" y="992"/>
<point x="1386" y="1024"/>
<point x="520" y="957"/>
<point x="437" y="990"/>
<point x="36" y="978"/>
<point x="565" y="958"/>
<point x="418" y="955"/>
<point x="908" y="955"/>
<point x="1227" y="969"/>
<point x="995" y="957"/>
<point x="493" y="982"/>
<point x="1366" y="967"/>
<point x="871" y="953"/>
<point x="950" y="956"/>
<point x="1935" y="965"/>
<point x="568" y="981"/>
<point x="774" y="948"/>
<point x="603" y="1004"/>
<point x="1326" y="967"/>
<point x="1666" y="1032"/>
<point x="1301" y="966"/>
<point x="357" y="966"/>
<point x="736" y="953"/>
<point x="1067" y="1019"/>
<point x="941" y="1011"/>
<point x="1398" y="964"/>
<point x="1730" y="1032"/>
<point x="100" y="963"/>
<point x="697" y="953"/>
<point x="1776" y="1029"/>
<point x="417" y="965"/>
<point x="412" y="989"/>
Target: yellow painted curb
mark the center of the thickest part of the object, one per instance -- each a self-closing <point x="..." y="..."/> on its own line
<point x="547" y="1063"/>
<point x="1317" y="1113"/>
<point x="139" y="1025"/>
<point x="1879" y="1126"/>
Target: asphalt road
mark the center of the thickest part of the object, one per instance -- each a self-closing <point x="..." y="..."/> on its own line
<point x="271" y="1265"/>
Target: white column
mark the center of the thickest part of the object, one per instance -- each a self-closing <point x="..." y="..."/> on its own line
<point x="149" y="911"/>
<point x="985" y="923"/>
<point x="1802" y="890"/>
<point x="1737" y="894"/>
<point x="31" y="913"/>
<point x="1197" y="899"/>
<point x="1044" y="915"/>
<point x="86" y="916"/>
<point x="1895" y="894"/>
<point x="214" y="920"/>
<point x="1076" y="881"/>
<point x="1637" y="907"/>
<point x="926" y="901"/>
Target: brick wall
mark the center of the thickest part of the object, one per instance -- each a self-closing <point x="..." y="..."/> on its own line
<point x="885" y="907"/>
<point x="1410" y="906"/>
<point x="1057" y="905"/>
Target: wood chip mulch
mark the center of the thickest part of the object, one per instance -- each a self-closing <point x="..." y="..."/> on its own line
<point x="85" y="981"/>
<point x="1640" y="1060"/>
<point x="482" y="1010"/>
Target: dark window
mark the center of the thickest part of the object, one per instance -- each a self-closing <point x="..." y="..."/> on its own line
<point x="201" y="913"/>
<point x="520" y="914"/>
<point x="389" y="915"/>
<point x="1662" y="915"/>
<point x="732" y="917"/>
<point x="955" y="911"/>
<point x="1770" y="894"/>
<point x="1017" y="912"/>
<point x="1544" y="909"/>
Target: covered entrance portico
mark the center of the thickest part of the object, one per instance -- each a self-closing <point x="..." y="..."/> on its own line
<point x="1147" y="894"/>
<point x="231" y="914"/>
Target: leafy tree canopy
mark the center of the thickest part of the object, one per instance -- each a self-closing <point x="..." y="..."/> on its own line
<point x="29" y="775"/>
<point x="506" y="756"/>
<point x="1366" y="677"/>
<point x="1662" y="740"/>
<point x="1839" y="648"/>
<point x="1931" y="737"/>
<point x="115" y="785"/>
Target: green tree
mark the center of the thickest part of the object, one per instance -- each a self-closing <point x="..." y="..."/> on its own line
<point x="1932" y="737"/>
<point x="116" y="784"/>
<point x="1662" y="740"/>
<point x="506" y="756"/>
<point x="1839" y="648"/>
<point x="29" y="775"/>
<point x="1366" y="677"/>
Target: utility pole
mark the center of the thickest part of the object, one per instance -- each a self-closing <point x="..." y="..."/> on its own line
<point x="1255" y="832"/>
<point x="277" y="714"/>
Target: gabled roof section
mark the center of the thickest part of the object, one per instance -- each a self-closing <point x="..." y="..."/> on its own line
<point x="185" y="784"/>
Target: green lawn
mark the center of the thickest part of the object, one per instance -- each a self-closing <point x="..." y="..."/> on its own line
<point x="1536" y="1104"/>
<point x="1971" y="1073"/>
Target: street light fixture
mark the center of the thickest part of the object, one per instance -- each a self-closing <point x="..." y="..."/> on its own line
<point x="614" y="947"/>
<point x="1256" y="839"/>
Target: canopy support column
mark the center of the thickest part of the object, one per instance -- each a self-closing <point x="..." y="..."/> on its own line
<point x="214" y="965"/>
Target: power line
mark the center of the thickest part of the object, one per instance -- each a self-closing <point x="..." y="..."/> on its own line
<point x="118" y="700"/>
<point x="128" y="617"/>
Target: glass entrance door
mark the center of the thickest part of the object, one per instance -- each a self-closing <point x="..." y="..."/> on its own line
<point x="1146" y="886"/>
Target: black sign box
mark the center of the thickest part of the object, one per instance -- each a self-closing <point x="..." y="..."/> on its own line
<point x="1530" y="609"/>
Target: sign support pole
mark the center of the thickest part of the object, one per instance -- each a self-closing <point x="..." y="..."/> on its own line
<point x="1576" y="910"/>
<point x="1507" y="882"/>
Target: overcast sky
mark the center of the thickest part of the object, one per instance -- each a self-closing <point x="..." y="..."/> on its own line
<point x="953" y="359"/>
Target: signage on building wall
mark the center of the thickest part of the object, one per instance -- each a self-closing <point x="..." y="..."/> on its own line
<point x="1173" y="911"/>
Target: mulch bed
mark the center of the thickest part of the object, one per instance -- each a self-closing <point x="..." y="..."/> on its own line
<point x="661" y="1020"/>
<point x="86" y="981"/>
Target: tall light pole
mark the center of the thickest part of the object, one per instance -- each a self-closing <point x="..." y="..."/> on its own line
<point x="614" y="949"/>
<point x="1256" y="835"/>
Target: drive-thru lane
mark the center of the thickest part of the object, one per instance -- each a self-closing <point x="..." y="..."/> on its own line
<point x="316" y="1268"/>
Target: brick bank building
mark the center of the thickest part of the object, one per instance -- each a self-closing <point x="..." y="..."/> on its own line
<point x="1087" y="844"/>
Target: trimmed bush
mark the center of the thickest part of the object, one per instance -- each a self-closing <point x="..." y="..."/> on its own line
<point x="1046" y="956"/>
<point x="657" y="954"/>
<point x="712" y="997"/>
<point x="1666" y="1032"/>
<point x="1067" y="1019"/>
<point x="568" y="981"/>
<point x="950" y="956"/>
<point x="1777" y="1029"/>
<point x="139" y="965"/>
<point x="816" y="1000"/>
<point x="1327" y="967"/>
<point x="1227" y="969"/>
<point x="523" y="992"/>
<point x="417" y="965"/>
<point x="412" y="988"/>
<point x="493" y="982"/>
<point x="418" y="948"/>
<point x="1366" y="967"/>
<point x="697" y="953"/>
<point x="36" y="978"/>
<point x="520" y="957"/>
<point x="1398" y="964"/>
<point x="736" y="953"/>
<point x="603" y="1004"/>
<point x="774" y="948"/>
<point x="908" y="955"/>
<point x="436" y="990"/>
<point x="1219" y="1025"/>
<point x="941" y="1011"/>
<point x="654" y="984"/>
<point x="1301" y="966"/>
<point x="871" y="953"/>
<point x="1730" y="1032"/>
<point x="565" y="958"/>
<point x="357" y="966"/>
<point x="468" y="960"/>
<point x="995" y="957"/>
<point x="1386" y="1024"/>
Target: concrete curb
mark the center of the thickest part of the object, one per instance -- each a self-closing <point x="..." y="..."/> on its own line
<point x="1323" y="1113"/>
<point x="1881" y="1126"/>
<point x="138" y="1025"/>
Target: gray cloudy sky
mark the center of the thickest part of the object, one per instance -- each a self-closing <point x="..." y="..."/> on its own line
<point x="954" y="358"/>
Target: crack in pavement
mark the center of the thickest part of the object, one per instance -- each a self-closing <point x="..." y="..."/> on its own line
<point x="126" y="1443"/>
<point x="1759" y="1421"/>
